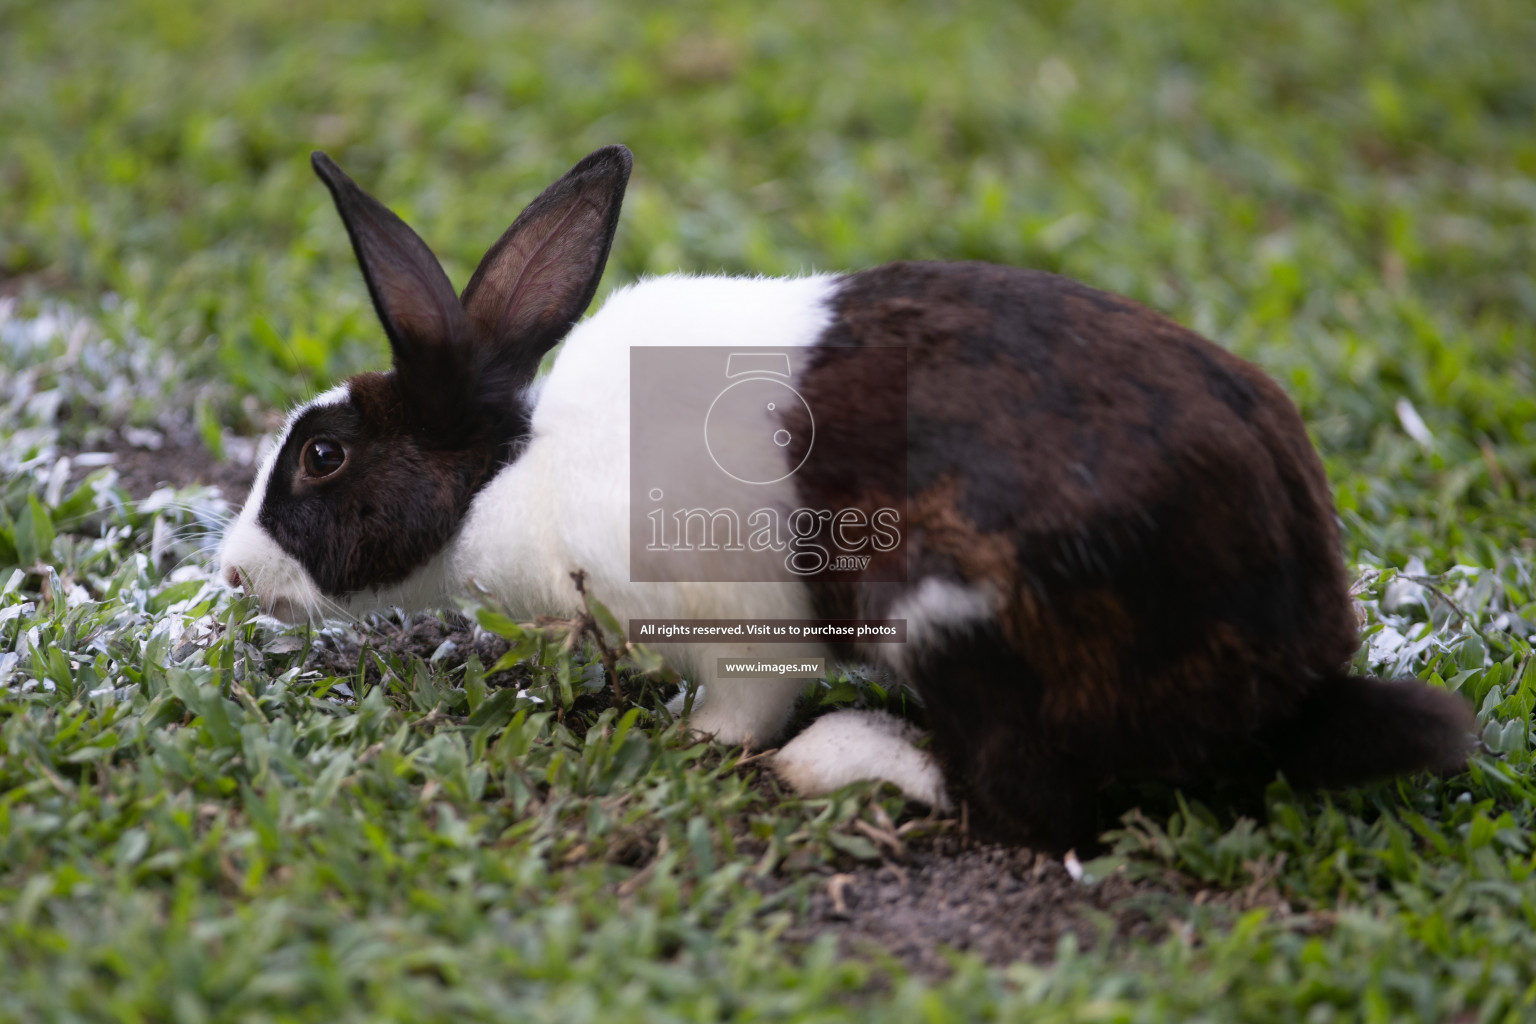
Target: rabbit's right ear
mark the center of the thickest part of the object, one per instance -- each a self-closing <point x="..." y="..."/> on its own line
<point x="540" y="275"/>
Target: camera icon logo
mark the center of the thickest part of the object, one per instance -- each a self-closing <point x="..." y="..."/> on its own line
<point x="747" y="427"/>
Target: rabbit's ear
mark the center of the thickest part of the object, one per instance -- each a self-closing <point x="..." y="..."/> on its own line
<point x="539" y="276"/>
<point x="421" y="314"/>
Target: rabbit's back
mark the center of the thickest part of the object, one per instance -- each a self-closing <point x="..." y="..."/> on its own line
<point x="1134" y="513"/>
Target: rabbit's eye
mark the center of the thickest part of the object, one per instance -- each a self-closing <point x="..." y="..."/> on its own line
<point x="322" y="458"/>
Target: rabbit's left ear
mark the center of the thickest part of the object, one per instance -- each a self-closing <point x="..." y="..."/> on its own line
<point x="409" y="289"/>
<point x="540" y="275"/>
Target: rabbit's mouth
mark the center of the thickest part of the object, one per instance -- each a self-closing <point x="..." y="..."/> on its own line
<point x="250" y="560"/>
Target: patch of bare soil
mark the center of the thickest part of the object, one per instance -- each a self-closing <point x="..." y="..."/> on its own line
<point x="143" y="470"/>
<point x="999" y="903"/>
<point x="159" y="460"/>
<point x="1005" y="905"/>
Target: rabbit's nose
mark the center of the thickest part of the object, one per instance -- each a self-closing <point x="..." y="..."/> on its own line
<point x="232" y="577"/>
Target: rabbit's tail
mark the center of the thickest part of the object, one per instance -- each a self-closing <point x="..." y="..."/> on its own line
<point x="1353" y="729"/>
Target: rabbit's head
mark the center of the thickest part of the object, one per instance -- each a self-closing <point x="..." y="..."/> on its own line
<point x="368" y="482"/>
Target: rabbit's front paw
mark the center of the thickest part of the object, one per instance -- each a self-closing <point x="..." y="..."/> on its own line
<point x="747" y="713"/>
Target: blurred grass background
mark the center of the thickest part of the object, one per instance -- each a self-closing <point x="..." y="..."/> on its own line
<point x="1344" y="192"/>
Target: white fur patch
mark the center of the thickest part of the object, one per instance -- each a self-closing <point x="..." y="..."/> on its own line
<point x="937" y="607"/>
<point x="341" y="394"/>
<point x="564" y="504"/>
<point x="426" y="587"/>
<point x="858" y="746"/>
<point x="279" y="580"/>
<point x="284" y="587"/>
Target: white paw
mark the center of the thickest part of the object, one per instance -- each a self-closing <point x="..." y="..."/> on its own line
<point x="730" y="726"/>
<point x="741" y="713"/>
<point x="855" y="746"/>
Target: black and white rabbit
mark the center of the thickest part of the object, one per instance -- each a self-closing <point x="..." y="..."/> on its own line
<point x="1121" y="562"/>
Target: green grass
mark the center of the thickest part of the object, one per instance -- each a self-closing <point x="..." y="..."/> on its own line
<point x="197" y="824"/>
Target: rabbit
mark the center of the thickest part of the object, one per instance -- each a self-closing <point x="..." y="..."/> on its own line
<point x="1120" y="560"/>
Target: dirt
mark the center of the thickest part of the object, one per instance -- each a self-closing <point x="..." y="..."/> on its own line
<point x="998" y="903"/>
<point x="160" y="460"/>
<point x="1006" y="905"/>
<point x="142" y="470"/>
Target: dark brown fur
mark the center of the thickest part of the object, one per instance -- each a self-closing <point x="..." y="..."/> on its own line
<point x="400" y="496"/>
<point x="1159" y="528"/>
